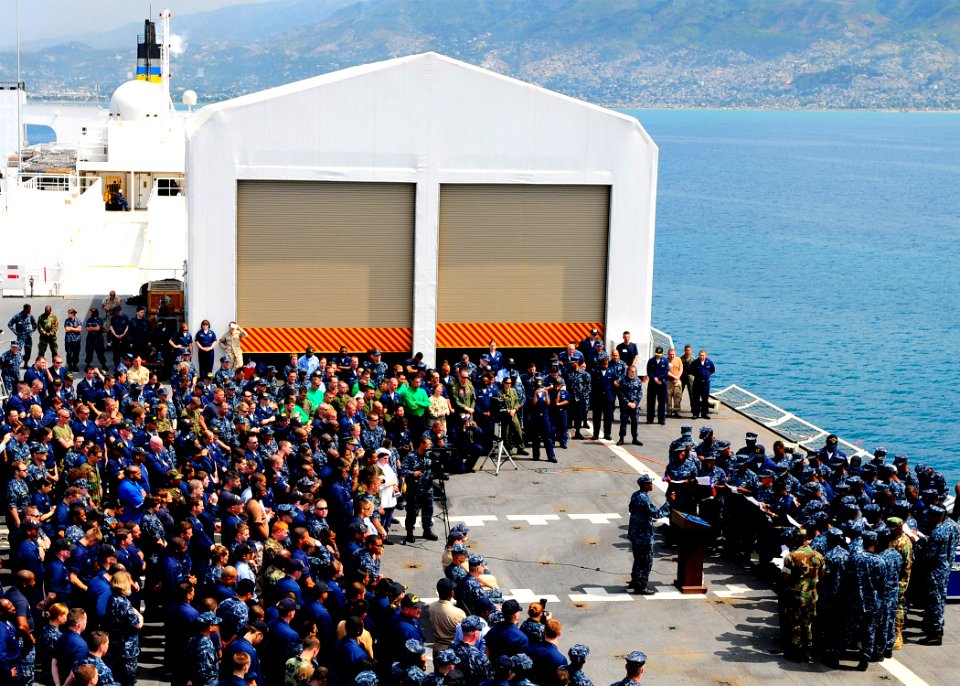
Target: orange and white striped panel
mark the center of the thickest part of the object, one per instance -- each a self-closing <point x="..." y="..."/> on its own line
<point x="357" y="340"/>
<point x="513" y="335"/>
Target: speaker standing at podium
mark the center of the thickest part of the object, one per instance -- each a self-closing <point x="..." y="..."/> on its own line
<point x="640" y="534"/>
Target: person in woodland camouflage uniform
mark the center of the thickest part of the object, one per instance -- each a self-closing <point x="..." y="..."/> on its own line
<point x="802" y="570"/>
<point x="904" y="546"/>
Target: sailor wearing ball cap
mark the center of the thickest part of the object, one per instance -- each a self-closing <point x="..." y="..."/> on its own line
<point x="936" y="551"/>
<point x="640" y="533"/>
<point x="201" y="655"/>
<point x="636" y="662"/>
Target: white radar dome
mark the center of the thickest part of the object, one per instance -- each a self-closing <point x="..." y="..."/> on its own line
<point x="137" y="101"/>
<point x="189" y="98"/>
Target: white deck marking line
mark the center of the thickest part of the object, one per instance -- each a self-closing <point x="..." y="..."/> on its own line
<point x="525" y="596"/>
<point x="474" y="520"/>
<point x="595" y="594"/>
<point x="598" y="518"/>
<point x="671" y="593"/>
<point x="534" y="520"/>
<point x="637" y="465"/>
<point x="902" y="673"/>
<point x="745" y="593"/>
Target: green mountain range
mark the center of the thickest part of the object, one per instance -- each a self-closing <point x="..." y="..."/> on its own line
<point x="645" y="53"/>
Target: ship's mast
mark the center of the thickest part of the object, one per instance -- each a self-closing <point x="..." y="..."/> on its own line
<point x="20" y="90"/>
<point x="165" y="102"/>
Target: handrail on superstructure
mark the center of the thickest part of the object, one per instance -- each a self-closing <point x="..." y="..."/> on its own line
<point x="780" y="421"/>
<point x="660" y="338"/>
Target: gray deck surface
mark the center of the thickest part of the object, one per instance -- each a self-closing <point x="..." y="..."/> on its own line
<point x="728" y="637"/>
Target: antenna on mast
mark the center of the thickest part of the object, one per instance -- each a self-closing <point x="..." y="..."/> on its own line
<point x="20" y="92"/>
<point x="165" y="103"/>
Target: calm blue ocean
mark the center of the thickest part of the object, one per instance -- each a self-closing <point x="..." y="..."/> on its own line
<point x="816" y="256"/>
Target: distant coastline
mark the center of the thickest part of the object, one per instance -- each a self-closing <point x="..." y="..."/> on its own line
<point x="618" y="107"/>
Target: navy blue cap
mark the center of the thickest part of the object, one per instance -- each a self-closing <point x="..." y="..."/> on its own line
<point x="445" y="658"/>
<point x="471" y="623"/>
<point x="637" y="657"/>
<point x="207" y="619"/>
<point x="414" y="646"/>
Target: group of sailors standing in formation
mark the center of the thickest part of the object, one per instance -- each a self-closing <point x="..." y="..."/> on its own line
<point x="852" y="545"/>
<point x="245" y="511"/>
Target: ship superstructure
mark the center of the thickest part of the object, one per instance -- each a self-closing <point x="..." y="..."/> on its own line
<point x="102" y="208"/>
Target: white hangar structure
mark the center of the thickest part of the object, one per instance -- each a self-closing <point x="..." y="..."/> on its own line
<point x="419" y="203"/>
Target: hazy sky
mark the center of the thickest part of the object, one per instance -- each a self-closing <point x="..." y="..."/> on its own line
<point x="53" y="18"/>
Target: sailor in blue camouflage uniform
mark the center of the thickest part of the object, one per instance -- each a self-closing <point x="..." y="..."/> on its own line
<point x="559" y="404"/>
<point x="10" y="363"/>
<point x="619" y="368"/>
<point x="676" y="445"/>
<point x="71" y="339"/>
<point x="578" y="654"/>
<point x="640" y="533"/>
<point x="123" y="623"/>
<point x="475" y="666"/>
<point x="830" y="615"/>
<point x="94" y="327"/>
<point x="378" y="368"/>
<point x="861" y="587"/>
<point x="937" y="553"/>
<point x="538" y="421"/>
<point x="887" y="620"/>
<point x="630" y="392"/>
<point x="578" y="381"/>
<point x="224" y="373"/>
<point x="201" y="654"/>
<point x="18" y="493"/>
<point x="417" y="473"/>
<point x="444" y="662"/>
<point x="372" y="433"/>
<point x="23" y="324"/>
<point x="682" y="475"/>
<point x="636" y="660"/>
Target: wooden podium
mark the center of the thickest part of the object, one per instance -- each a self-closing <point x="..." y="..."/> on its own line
<point x="690" y="543"/>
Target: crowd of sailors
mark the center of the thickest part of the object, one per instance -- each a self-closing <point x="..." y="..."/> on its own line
<point x="246" y="509"/>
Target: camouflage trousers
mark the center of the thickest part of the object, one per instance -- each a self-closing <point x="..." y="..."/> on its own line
<point x="886" y="625"/>
<point x="26" y="348"/>
<point x="797" y="629"/>
<point x="934" y="601"/>
<point x="864" y="632"/>
<point x="26" y="665"/>
<point x="901" y="619"/>
<point x="642" y="564"/>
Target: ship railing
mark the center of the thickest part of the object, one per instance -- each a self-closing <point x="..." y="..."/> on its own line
<point x="50" y="182"/>
<point x="661" y="339"/>
<point x="780" y="421"/>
